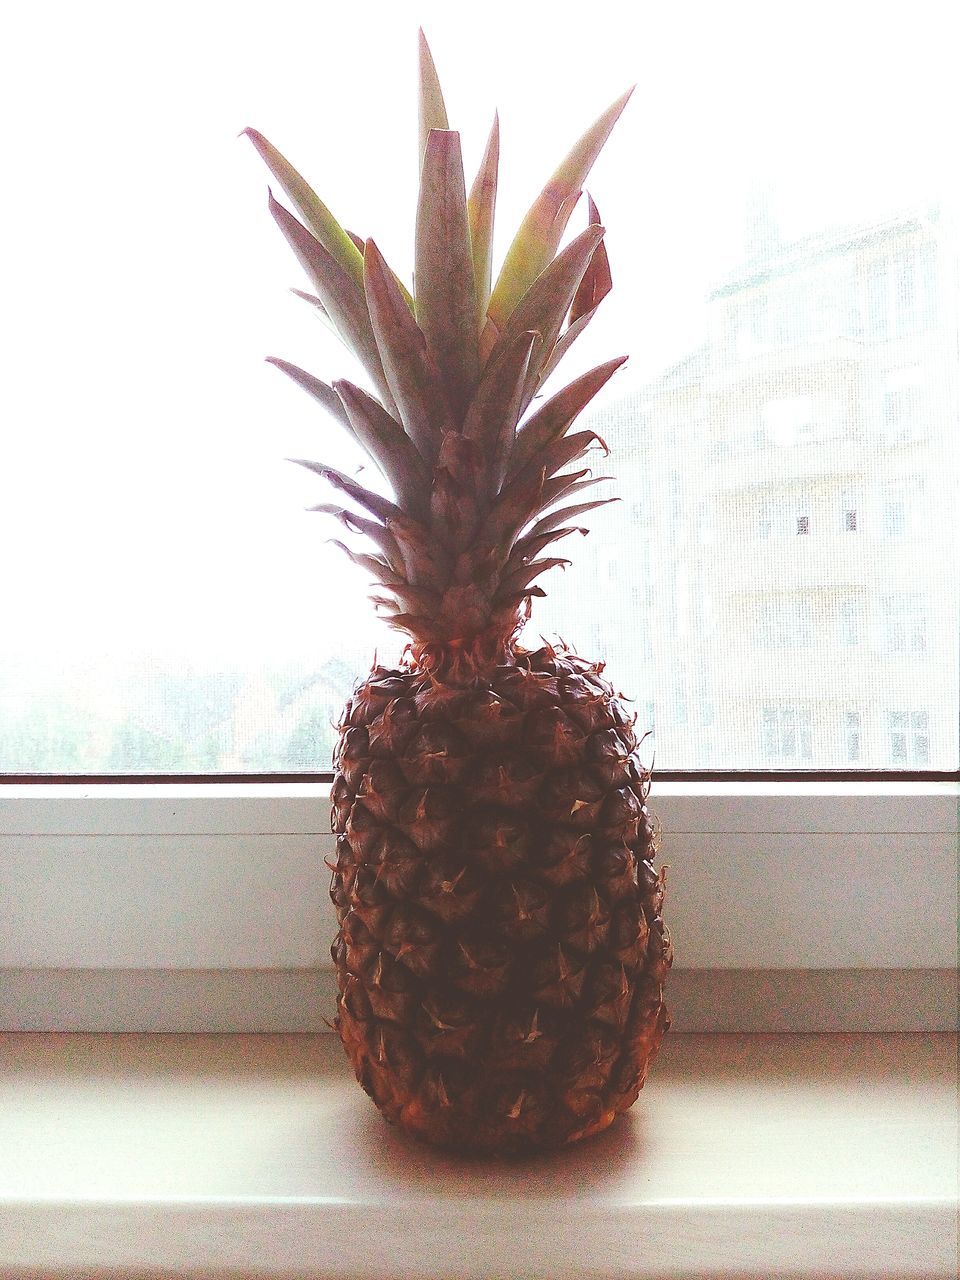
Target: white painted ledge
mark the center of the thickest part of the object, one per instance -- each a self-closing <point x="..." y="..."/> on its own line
<point x="747" y="1158"/>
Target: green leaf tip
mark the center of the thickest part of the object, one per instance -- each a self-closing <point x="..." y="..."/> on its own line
<point x="539" y="235"/>
<point x="310" y="208"/>
<point x="432" y="110"/>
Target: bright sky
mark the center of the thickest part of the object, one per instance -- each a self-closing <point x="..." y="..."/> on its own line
<point x="144" y="501"/>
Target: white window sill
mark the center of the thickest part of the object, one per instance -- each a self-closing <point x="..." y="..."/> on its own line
<point x="747" y="1157"/>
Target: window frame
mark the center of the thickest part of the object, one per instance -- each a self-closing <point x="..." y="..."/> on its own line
<point x="787" y="830"/>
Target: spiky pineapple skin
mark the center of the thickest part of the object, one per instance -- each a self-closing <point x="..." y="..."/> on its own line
<point x="501" y="954"/>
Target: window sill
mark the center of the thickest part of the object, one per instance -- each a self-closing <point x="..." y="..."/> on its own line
<point x="747" y="1156"/>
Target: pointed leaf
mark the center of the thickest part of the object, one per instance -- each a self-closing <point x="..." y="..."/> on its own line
<point x="410" y="597"/>
<point x="523" y="575"/>
<point x="539" y="235"/>
<point x="387" y="443"/>
<point x="371" y="529"/>
<point x="322" y="314"/>
<point x="565" y="486"/>
<point x="564" y="343"/>
<point x="556" y="518"/>
<point x="481" y="206"/>
<point x="516" y="506"/>
<point x="517" y="598"/>
<point x="532" y="545"/>
<point x="339" y="295"/>
<point x="407" y="295"/>
<point x="444" y="297"/>
<point x="432" y="112"/>
<point x="549" y="461"/>
<point x="317" y="217"/>
<point x="495" y="408"/>
<point x="373" y="564"/>
<point x="548" y="300"/>
<point x="320" y="391"/>
<point x="425" y="561"/>
<point x="553" y="419"/>
<point x="377" y="505"/>
<point x="411" y="624"/>
<point x="597" y="280"/>
<point x="559" y="486"/>
<point x="407" y="365"/>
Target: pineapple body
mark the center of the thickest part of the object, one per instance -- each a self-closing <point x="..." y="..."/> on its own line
<point x="501" y="954"/>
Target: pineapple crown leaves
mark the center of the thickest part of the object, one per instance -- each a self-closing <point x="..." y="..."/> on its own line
<point x="454" y="366"/>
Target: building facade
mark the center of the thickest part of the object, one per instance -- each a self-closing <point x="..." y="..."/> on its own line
<point x="787" y="552"/>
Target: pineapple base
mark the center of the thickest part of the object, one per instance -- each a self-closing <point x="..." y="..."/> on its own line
<point x="501" y="954"/>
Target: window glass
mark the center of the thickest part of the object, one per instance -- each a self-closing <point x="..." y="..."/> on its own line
<point x="782" y="567"/>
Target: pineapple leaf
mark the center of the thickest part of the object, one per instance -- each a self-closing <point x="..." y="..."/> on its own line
<point x="563" y="344"/>
<point x="424" y="559"/>
<point x="408" y="367"/>
<point x="314" y="213"/>
<point x="531" y="545"/>
<point x="564" y="486"/>
<point x="321" y="391"/>
<point x="554" y="456"/>
<point x="433" y="112"/>
<point x="539" y="235"/>
<point x="547" y="302"/>
<point x="340" y="297"/>
<point x="597" y="280"/>
<point x="552" y="419"/>
<point x="559" y="486"/>
<point x="377" y="533"/>
<point x="444" y="299"/>
<point x="323" y="315"/>
<point x="516" y="505"/>
<point x="557" y="517"/>
<point x="373" y="564"/>
<point x="418" y="597"/>
<point x="407" y="295"/>
<point x="386" y="442"/>
<point x="481" y="206"/>
<point x="495" y="408"/>
<point x="521" y="577"/>
<point x="377" y="505"/>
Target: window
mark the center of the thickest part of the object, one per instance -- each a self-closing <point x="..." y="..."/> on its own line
<point x="902" y="508"/>
<point x="851" y="618"/>
<point x="902" y="418"/>
<point x="908" y="739"/>
<point x="854" y="742"/>
<point x="905" y="624"/>
<point x="787" y="734"/>
<point x="793" y="339"/>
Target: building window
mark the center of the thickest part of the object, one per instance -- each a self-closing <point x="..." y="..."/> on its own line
<point x="908" y="739"/>
<point x="853" y="737"/>
<point x="894" y="517"/>
<point x="904" y="625"/>
<point x="850" y="622"/>
<point x="803" y="524"/>
<point x="902" y="505"/>
<point x="787" y="734"/>
<point x="901" y="413"/>
<point x="764" y="520"/>
<point x="850" y="520"/>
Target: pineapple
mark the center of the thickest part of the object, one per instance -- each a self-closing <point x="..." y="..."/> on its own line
<point x="501" y="953"/>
